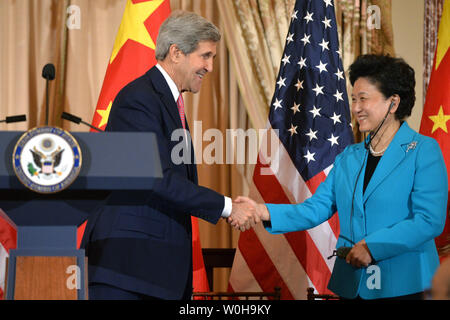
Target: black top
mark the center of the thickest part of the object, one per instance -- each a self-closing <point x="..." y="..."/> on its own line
<point x="372" y="163"/>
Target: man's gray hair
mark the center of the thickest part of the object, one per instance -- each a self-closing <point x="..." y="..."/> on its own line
<point x="186" y="30"/>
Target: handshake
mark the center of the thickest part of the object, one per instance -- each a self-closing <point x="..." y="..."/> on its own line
<point x="246" y="213"/>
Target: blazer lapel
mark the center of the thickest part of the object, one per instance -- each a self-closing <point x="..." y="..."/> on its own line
<point x="161" y="86"/>
<point x="393" y="156"/>
<point x="360" y="165"/>
<point x="192" y="168"/>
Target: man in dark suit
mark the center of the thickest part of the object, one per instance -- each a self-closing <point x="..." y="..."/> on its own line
<point x="139" y="245"/>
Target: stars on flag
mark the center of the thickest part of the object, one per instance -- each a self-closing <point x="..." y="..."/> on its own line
<point x="306" y="39"/>
<point x="310" y="103"/>
<point x="277" y="104"/>
<point x="333" y="140"/>
<point x="309" y="156"/>
<point x="315" y="112"/>
<point x="328" y="3"/>
<point x="281" y="83"/>
<point x="302" y="62"/>
<point x="339" y="74"/>
<point x="318" y="89"/>
<point x="296" y="108"/>
<point x="336" y="118"/>
<point x="322" y="67"/>
<point x="308" y="17"/>
<point x="286" y="60"/>
<point x="312" y="134"/>
<point x="327" y="23"/>
<point x="338" y="95"/>
<point x="440" y="120"/>
<point x="293" y="130"/>
<point x="324" y="44"/>
<point x="135" y="29"/>
<point x="299" y="85"/>
<point x="290" y="38"/>
<point x="104" y="114"/>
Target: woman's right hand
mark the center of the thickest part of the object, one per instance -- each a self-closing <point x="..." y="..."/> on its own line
<point x="260" y="208"/>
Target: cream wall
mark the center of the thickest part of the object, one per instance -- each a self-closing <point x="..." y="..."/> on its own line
<point x="407" y="21"/>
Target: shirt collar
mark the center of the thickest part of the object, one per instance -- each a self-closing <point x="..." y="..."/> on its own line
<point x="170" y="82"/>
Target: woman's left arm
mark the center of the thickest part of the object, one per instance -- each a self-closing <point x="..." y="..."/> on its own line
<point x="428" y="205"/>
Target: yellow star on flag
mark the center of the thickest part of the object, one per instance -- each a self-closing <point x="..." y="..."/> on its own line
<point x="440" y="121"/>
<point x="105" y="115"/>
<point x="132" y="26"/>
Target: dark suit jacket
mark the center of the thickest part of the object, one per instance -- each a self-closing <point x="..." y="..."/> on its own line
<point x="141" y="241"/>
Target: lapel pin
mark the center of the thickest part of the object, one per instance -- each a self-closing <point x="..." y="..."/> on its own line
<point x="411" y="146"/>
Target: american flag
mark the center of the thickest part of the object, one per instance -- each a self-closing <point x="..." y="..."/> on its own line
<point x="310" y="113"/>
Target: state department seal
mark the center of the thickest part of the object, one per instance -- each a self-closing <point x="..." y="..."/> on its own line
<point x="47" y="159"/>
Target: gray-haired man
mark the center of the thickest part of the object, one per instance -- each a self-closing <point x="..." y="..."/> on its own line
<point x="143" y="250"/>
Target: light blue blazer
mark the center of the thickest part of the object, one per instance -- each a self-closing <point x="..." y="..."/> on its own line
<point x="401" y="212"/>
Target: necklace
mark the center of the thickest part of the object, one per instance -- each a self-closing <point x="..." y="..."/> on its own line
<point x="376" y="153"/>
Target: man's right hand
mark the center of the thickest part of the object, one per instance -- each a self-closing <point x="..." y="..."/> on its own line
<point x="243" y="216"/>
<point x="261" y="209"/>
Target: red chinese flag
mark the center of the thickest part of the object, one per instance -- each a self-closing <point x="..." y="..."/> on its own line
<point x="133" y="55"/>
<point x="133" y="52"/>
<point x="436" y="113"/>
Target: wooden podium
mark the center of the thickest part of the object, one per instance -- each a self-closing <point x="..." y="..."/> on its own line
<point x="46" y="265"/>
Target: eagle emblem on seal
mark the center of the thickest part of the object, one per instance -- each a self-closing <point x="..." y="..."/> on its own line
<point x="46" y="163"/>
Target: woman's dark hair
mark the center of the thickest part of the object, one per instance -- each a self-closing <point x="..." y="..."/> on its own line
<point x="391" y="76"/>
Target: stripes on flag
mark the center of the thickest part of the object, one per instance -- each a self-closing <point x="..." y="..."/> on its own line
<point x="310" y="115"/>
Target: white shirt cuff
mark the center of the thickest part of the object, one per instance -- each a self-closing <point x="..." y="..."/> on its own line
<point x="227" y="208"/>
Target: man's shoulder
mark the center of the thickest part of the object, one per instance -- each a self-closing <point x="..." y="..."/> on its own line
<point x="141" y="81"/>
<point x="141" y="86"/>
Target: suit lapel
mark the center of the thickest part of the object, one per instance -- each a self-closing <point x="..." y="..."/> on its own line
<point x="360" y="164"/>
<point x="393" y="156"/>
<point x="192" y="169"/>
<point x="161" y="86"/>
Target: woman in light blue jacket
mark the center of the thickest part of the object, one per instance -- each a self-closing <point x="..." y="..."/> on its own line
<point x="390" y="192"/>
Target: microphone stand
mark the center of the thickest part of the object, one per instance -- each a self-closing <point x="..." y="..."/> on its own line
<point x="46" y="101"/>
<point x="78" y="120"/>
<point x="48" y="73"/>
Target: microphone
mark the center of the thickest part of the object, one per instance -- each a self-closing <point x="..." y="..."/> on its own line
<point x="48" y="73"/>
<point x="13" y="119"/>
<point x="340" y="252"/>
<point x="78" y="120"/>
<point x="367" y="143"/>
